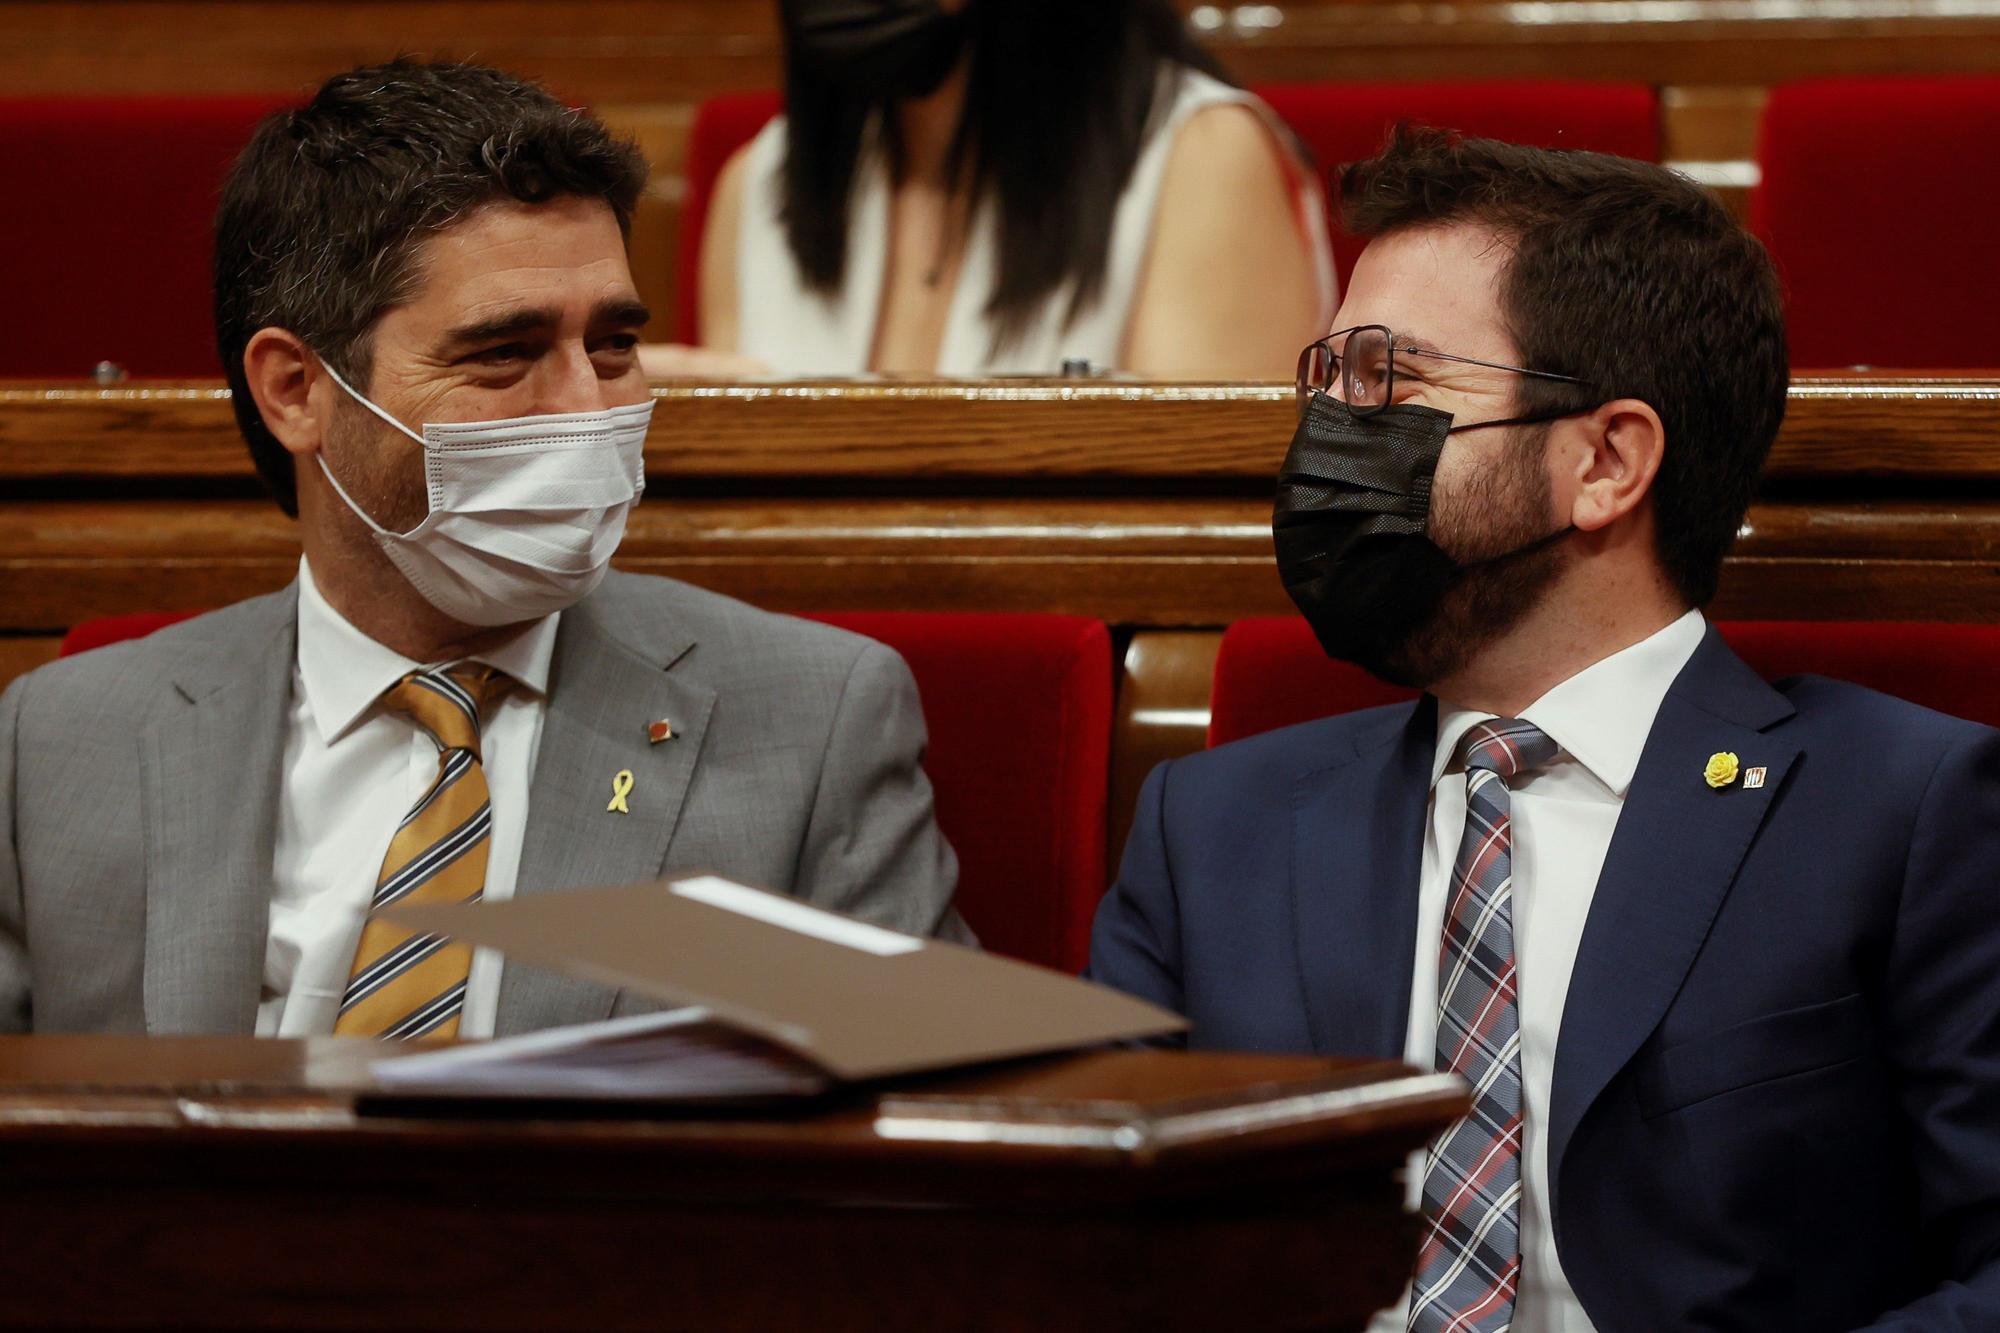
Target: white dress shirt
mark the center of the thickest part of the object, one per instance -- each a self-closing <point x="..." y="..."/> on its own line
<point x="352" y="771"/>
<point x="1562" y="817"/>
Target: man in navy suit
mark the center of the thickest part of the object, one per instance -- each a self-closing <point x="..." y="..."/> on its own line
<point x="1719" y="959"/>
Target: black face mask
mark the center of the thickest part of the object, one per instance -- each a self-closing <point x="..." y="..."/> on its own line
<point x="885" y="49"/>
<point x="1351" y="522"/>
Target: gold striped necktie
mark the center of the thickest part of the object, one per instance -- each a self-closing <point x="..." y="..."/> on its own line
<point x="406" y="984"/>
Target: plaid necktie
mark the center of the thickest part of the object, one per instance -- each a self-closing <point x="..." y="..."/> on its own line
<point x="406" y="984"/>
<point x="1469" y="1265"/>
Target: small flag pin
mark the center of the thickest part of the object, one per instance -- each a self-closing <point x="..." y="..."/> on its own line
<point x="661" y="730"/>
<point x="1753" y="778"/>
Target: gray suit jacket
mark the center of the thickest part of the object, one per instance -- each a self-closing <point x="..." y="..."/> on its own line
<point x="139" y="786"/>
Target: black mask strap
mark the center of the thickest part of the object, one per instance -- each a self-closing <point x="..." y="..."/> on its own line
<point x="1540" y="542"/>
<point x="1534" y="420"/>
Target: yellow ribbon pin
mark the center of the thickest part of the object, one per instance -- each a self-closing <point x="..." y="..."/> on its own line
<point x="621" y="787"/>
<point x="1721" y="770"/>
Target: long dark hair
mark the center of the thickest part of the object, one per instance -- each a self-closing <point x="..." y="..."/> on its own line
<point x="1058" y="99"/>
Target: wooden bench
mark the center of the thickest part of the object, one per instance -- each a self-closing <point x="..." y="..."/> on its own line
<point x="1144" y="505"/>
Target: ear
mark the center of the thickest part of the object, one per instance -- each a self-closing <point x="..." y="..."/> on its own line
<point x="1610" y="465"/>
<point x="282" y="372"/>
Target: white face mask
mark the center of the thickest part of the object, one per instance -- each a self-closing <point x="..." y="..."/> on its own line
<point x="524" y="513"/>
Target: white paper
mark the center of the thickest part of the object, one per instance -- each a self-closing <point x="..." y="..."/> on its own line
<point x="679" y="1054"/>
<point x="794" y="915"/>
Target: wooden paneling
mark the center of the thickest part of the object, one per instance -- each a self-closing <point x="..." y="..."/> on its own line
<point x="1710" y="124"/>
<point x="1648" y="41"/>
<point x="633" y="51"/>
<point x="1926" y="428"/>
<point x="1148" y="561"/>
<point x="1162" y="713"/>
<point x="1139" y="562"/>
<point x="1143" y="505"/>
<point x="602" y="51"/>
<point x="22" y="653"/>
<point x="654" y="244"/>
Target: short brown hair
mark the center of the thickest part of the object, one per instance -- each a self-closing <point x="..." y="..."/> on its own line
<point x="1631" y="278"/>
<point x="323" y="213"/>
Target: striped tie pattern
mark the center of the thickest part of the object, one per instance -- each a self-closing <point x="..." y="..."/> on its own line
<point x="406" y="984"/>
<point x="1469" y="1264"/>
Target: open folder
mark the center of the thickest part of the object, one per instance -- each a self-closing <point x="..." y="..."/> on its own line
<point x="781" y="998"/>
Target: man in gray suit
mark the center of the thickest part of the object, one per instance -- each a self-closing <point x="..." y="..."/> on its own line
<point x="424" y="307"/>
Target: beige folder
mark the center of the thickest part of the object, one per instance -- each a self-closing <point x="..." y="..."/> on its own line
<point x="851" y="998"/>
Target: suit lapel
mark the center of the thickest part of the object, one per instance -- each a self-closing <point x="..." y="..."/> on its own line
<point x="1357" y="852"/>
<point x="1671" y="863"/>
<point x="603" y="691"/>
<point x="210" y="770"/>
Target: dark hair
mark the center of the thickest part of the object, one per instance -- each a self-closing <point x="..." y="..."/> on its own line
<point x="1630" y="277"/>
<point x="1059" y="96"/>
<point x="323" y="213"/>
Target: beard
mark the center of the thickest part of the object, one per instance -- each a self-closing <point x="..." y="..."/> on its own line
<point x="1497" y="529"/>
<point x="374" y="466"/>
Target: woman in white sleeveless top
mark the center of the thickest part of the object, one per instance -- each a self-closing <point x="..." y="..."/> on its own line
<point x="1005" y="186"/>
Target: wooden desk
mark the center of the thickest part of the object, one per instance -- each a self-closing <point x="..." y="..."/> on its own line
<point x="1144" y="505"/>
<point x="224" y="1188"/>
<point x="1141" y="504"/>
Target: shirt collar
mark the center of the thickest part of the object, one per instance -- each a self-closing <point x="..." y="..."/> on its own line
<point x="344" y="672"/>
<point x="1603" y="714"/>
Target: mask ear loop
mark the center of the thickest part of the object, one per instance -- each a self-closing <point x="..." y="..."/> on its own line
<point x="334" y="481"/>
<point x="334" y="375"/>
<point x="1534" y="420"/>
<point x="1539" y="543"/>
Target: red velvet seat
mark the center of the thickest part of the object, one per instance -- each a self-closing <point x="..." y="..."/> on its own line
<point x="1271" y="672"/>
<point x="108" y="229"/>
<point x="116" y="629"/>
<point x="1876" y="200"/>
<point x="1019" y="710"/>
<point x="1339" y="122"/>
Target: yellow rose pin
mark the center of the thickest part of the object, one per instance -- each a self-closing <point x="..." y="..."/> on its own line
<point x="1721" y="770"/>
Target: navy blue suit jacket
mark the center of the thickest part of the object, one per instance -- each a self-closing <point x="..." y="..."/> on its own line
<point x="1776" y="1098"/>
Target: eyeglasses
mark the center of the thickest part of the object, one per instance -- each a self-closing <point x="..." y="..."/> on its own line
<point x="1365" y="367"/>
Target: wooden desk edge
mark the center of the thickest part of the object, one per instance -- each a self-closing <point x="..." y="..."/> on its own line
<point x="1117" y="1109"/>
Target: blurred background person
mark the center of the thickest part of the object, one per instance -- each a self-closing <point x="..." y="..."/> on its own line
<point x="971" y="187"/>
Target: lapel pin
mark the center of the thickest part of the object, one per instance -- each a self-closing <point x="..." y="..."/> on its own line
<point x="1753" y="778"/>
<point x="621" y="787"/>
<point x="1721" y="770"/>
<point x="656" y="732"/>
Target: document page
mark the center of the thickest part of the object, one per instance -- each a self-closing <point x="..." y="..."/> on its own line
<point x="679" y="1054"/>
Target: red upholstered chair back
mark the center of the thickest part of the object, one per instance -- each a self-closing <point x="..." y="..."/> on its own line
<point x="1870" y="281"/>
<point x="721" y="126"/>
<point x="116" y="629"/>
<point x="108" y="230"/>
<point x="1345" y="122"/>
<point x="1019" y="710"/>
<point x="1271" y="673"/>
<point x="1339" y="122"/>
